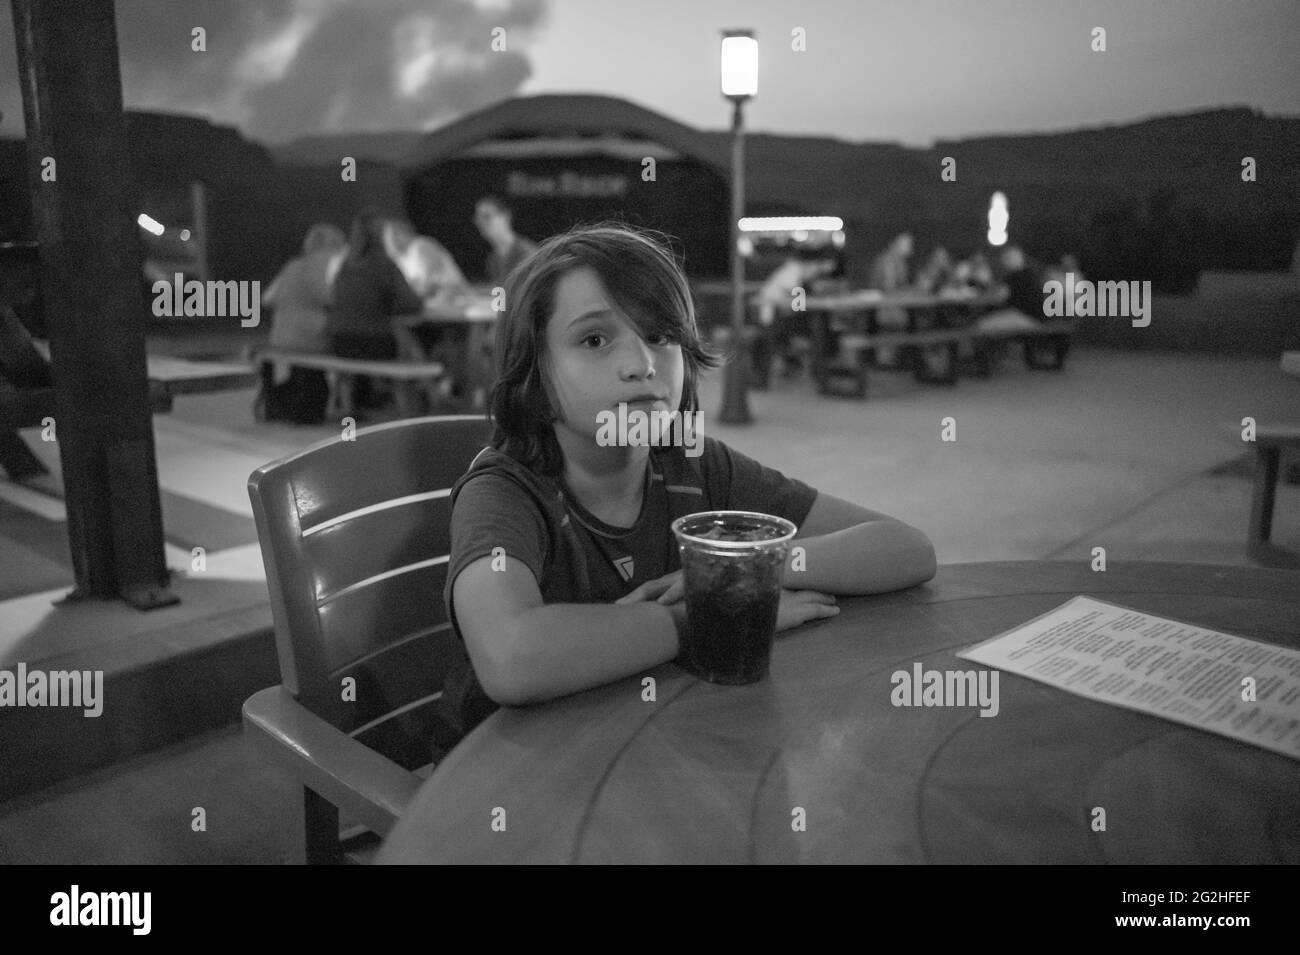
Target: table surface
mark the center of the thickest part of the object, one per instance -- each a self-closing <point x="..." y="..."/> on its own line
<point x="707" y="773"/>
<point x="468" y="309"/>
<point x="868" y="299"/>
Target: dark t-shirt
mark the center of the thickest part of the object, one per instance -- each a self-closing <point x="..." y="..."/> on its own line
<point x="578" y="558"/>
<point x="1025" y="291"/>
<point x="368" y="292"/>
<point x="499" y="266"/>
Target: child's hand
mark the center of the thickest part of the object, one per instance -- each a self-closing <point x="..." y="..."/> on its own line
<point x="667" y="589"/>
<point x="798" y="607"/>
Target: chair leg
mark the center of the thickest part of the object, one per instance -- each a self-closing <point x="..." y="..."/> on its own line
<point x="1261" y="504"/>
<point x="320" y="830"/>
<point x="1059" y="345"/>
<point x="17" y="459"/>
<point x="922" y="370"/>
<point x="408" y="397"/>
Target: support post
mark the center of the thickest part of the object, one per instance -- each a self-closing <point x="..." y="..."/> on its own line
<point x="85" y="210"/>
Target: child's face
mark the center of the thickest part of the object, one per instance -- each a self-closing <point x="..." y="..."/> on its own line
<point x="599" y="359"/>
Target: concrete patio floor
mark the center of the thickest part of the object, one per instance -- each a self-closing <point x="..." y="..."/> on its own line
<point x="1139" y="453"/>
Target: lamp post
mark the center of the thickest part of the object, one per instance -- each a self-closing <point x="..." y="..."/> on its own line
<point x="739" y="83"/>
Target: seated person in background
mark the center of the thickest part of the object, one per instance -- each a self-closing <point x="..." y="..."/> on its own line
<point x="427" y="266"/>
<point x="791" y="330"/>
<point x="936" y="274"/>
<point x="300" y="296"/>
<point x="1023" y="308"/>
<point x="973" y="273"/>
<point x="495" y="223"/>
<point x="889" y="273"/>
<point x="368" y="291"/>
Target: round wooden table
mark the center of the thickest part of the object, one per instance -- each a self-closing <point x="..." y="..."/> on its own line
<point x="707" y="773"/>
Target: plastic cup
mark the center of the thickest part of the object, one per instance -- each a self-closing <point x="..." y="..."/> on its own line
<point x="733" y="564"/>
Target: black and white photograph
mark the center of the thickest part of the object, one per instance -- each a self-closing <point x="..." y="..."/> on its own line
<point x="479" y="432"/>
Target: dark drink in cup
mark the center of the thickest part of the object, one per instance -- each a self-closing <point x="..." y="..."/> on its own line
<point x="733" y="564"/>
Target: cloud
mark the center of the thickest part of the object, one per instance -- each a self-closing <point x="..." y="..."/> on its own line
<point x="284" y="68"/>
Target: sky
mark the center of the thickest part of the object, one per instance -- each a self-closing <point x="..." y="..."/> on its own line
<point x="907" y="71"/>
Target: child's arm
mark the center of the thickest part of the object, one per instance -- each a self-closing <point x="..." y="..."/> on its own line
<point x="848" y="549"/>
<point x="526" y="651"/>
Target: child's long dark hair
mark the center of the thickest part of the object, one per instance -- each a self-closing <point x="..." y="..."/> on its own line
<point x="641" y="276"/>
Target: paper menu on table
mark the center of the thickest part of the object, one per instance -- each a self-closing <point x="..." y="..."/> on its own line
<point x="1181" y="672"/>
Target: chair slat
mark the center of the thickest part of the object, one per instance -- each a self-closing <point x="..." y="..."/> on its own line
<point x="367" y="619"/>
<point x="382" y="463"/>
<point x="406" y="737"/>
<point x="354" y="550"/>
<point x="396" y="676"/>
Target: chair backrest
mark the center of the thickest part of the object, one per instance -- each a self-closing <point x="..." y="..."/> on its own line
<point x="355" y="536"/>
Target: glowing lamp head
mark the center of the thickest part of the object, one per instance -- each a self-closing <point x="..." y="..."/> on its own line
<point x="999" y="216"/>
<point x="739" y="64"/>
<point x="149" y="224"/>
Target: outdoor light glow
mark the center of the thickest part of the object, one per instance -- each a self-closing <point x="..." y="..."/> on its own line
<point x="998" y="219"/>
<point x="149" y="224"/>
<point x="185" y="235"/>
<point x="792" y="224"/>
<point x="739" y="65"/>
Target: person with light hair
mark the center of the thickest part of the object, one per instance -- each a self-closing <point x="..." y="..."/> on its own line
<point x="300" y="298"/>
<point x="425" y="264"/>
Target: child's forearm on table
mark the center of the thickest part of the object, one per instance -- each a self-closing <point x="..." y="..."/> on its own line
<point x="871" y="558"/>
<point x="557" y="649"/>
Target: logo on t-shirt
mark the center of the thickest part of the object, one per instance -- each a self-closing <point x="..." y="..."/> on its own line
<point x="624" y="565"/>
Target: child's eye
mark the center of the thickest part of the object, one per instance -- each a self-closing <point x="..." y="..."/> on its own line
<point x="596" y="335"/>
<point x="663" y="340"/>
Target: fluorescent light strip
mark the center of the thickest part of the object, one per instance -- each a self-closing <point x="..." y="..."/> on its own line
<point x="792" y="224"/>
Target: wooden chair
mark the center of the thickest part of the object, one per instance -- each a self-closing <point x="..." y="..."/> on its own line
<point x="355" y="536"/>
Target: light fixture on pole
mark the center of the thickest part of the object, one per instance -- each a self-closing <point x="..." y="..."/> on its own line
<point x="739" y="83"/>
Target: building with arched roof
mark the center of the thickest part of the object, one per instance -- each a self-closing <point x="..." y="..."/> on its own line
<point x="559" y="160"/>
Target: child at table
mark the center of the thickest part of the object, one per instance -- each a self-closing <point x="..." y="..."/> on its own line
<point x="564" y="573"/>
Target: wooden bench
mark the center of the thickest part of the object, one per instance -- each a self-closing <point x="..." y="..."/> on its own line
<point x="913" y="345"/>
<point x="1055" y="335"/>
<point x="1270" y="444"/>
<point x="410" y="376"/>
<point x="168" y="378"/>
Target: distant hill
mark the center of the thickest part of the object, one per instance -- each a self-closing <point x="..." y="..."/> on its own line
<point x="391" y="147"/>
<point x="1113" y="193"/>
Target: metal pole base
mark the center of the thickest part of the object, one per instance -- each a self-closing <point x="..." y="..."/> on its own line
<point x="735" y="403"/>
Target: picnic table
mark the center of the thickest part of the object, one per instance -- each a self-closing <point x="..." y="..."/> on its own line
<point x="168" y="377"/>
<point x="850" y="322"/>
<point x="466" y="324"/>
